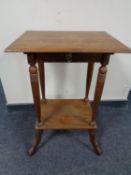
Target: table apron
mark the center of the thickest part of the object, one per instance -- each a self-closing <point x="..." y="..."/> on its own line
<point x="68" y="57"/>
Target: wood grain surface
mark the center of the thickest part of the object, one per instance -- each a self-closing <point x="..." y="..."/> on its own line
<point x="69" y="41"/>
<point x="65" y="114"/>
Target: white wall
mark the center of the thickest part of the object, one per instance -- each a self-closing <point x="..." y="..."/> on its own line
<point x="63" y="80"/>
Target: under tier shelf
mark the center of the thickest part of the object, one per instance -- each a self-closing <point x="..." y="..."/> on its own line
<point x="66" y="114"/>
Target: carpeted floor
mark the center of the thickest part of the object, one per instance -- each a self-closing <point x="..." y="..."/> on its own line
<point x="65" y="153"/>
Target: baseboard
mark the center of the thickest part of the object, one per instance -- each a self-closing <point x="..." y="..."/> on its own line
<point x="20" y="107"/>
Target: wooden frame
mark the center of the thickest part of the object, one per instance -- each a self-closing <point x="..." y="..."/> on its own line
<point x="77" y="106"/>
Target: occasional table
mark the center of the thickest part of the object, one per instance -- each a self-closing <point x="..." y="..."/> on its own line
<point x="60" y="46"/>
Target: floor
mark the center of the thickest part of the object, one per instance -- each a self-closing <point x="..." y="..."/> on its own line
<point x="65" y="153"/>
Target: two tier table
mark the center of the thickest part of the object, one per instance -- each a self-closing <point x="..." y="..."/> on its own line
<point x="73" y="47"/>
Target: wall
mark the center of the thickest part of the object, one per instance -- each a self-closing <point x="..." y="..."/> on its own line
<point x="63" y="80"/>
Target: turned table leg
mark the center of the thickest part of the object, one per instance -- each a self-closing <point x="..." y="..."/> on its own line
<point x="100" y="84"/>
<point x="42" y="77"/>
<point x="36" y="96"/>
<point x="89" y="78"/>
<point x="97" y="97"/>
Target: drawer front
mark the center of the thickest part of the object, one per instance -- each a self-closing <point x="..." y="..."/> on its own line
<point x="69" y="57"/>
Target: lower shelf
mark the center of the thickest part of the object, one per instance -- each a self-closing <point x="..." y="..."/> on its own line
<point x="65" y="114"/>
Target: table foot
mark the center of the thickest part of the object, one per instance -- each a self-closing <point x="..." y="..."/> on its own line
<point x="92" y="137"/>
<point x="38" y="136"/>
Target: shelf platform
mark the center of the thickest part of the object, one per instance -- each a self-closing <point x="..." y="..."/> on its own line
<point x="65" y="114"/>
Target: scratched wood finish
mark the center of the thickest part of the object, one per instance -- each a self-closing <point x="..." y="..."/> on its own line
<point x="65" y="114"/>
<point x="61" y="41"/>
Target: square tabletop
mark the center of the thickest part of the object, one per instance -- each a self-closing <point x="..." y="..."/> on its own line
<point x="67" y="41"/>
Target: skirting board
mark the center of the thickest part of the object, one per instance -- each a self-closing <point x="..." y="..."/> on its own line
<point x="26" y="106"/>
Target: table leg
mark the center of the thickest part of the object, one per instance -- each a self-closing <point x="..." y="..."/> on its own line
<point x="38" y="136"/>
<point x="42" y="77"/>
<point x="97" y="97"/>
<point x="100" y="84"/>
<point x="89" y="78"/>
<point x="92" y="137"/>
<point x="36" y="96"/>
<point x="34" y="83"/>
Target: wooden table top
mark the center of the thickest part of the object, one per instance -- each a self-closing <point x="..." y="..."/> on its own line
<point x="67" y="41"/>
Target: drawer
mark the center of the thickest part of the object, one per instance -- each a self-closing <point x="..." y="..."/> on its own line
<point x="69" y="57"/>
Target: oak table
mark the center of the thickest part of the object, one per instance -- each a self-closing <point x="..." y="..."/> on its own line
<point x="61" y="46"/>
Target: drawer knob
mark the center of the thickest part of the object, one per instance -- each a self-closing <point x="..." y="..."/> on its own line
<point x="68" y="57"/>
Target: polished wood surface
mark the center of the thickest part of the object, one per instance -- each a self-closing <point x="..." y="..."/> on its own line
<point x="71" y="41"/>
<point x="65" y="114"/>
